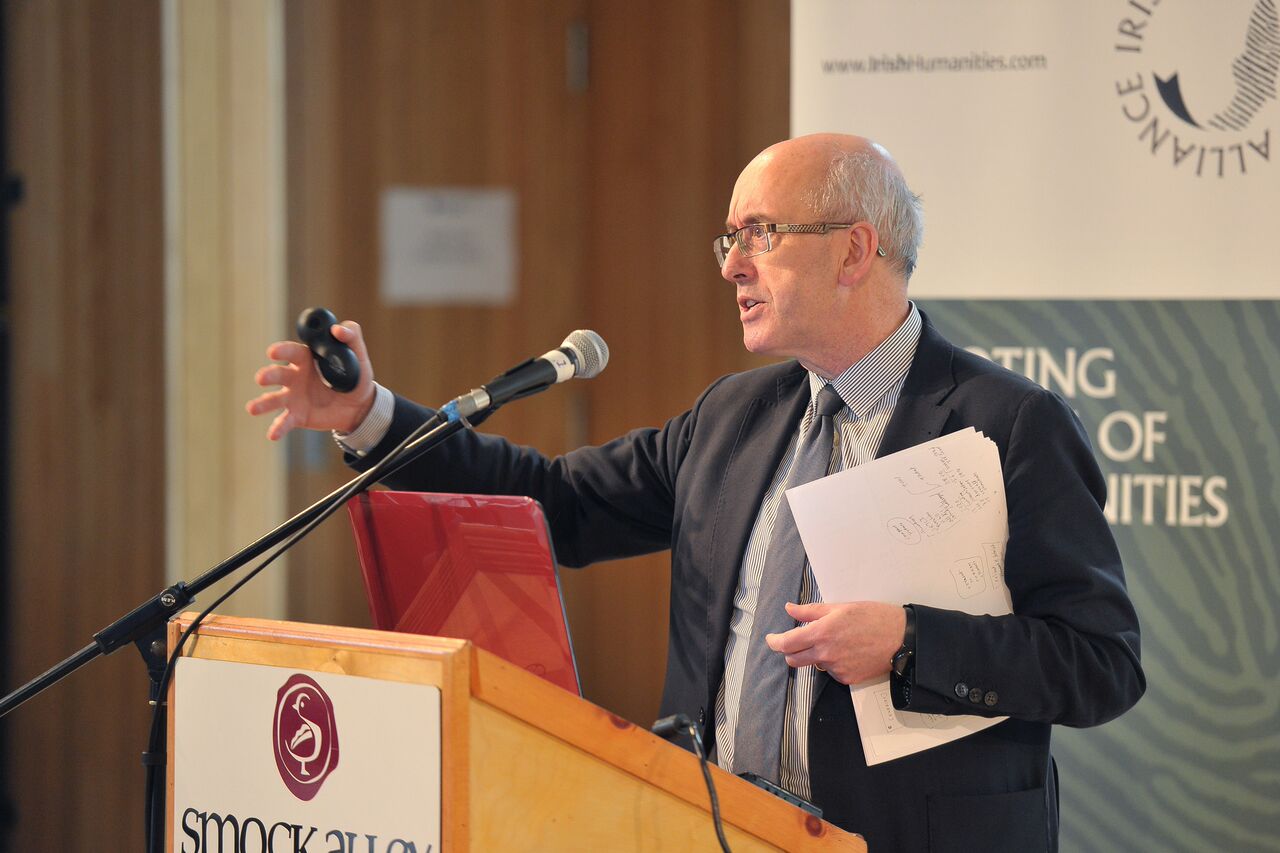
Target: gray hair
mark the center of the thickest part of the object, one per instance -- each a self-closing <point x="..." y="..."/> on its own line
<point x="861" y="186"/>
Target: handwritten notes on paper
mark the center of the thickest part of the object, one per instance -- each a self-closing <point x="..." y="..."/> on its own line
<point x="927" y="525"/>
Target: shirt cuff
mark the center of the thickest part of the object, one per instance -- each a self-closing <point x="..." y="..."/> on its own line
<point x="373" y="429"/>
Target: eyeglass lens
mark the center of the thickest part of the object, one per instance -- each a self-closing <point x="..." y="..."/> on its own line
<point x="721" y="246"/>
<point x="751" y="239"/>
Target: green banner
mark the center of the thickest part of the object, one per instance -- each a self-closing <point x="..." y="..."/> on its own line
<point x="1181" y="401"/>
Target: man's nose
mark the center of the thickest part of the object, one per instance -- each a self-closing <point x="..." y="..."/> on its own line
<point x="736" y="267"/>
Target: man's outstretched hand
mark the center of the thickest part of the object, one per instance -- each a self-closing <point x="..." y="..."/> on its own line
<point x="303" y="400"/>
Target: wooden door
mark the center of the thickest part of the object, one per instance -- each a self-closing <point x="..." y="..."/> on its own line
<point x="86" y="463"/>
<point x="623" y="162"/>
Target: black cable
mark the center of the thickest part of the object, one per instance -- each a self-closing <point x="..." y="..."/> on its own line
<point x="711" y="789"/>
<point x="154" y="758"/>
<point x="668" y="726"/>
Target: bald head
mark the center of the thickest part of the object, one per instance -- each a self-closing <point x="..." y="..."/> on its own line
<point x="823" y="279"/>
<point x="817" y="150"/>
<point x="844" y="178"/>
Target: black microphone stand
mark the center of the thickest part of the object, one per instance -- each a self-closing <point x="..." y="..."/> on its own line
<point x="144" y="626"/>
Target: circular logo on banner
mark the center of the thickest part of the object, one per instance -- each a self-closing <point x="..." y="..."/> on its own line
<point x="305" y="735"/>
<point x="1199" y="83"/>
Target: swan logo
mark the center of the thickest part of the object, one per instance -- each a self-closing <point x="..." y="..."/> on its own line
<point x="305" y="736"/>
<point x="1199" y="82"/>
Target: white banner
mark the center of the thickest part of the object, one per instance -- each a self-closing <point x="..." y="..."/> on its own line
<point x="1042" y="138"/>
<point x="1102" y="215"/>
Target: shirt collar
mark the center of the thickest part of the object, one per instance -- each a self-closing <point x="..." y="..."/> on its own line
<point x="877" y="372"/>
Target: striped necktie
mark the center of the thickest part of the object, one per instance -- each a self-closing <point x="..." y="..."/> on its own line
<point x="758" y="741"/>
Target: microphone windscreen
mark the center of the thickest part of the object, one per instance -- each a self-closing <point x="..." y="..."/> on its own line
<point x="591" y="350"/>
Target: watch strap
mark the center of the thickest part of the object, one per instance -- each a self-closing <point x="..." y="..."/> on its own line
<point x="905" y="656"/>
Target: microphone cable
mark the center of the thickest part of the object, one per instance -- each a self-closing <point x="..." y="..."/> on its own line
<point x="669" y="726"/>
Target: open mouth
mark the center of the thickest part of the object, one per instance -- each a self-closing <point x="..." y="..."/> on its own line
<point x="747" y="305"/>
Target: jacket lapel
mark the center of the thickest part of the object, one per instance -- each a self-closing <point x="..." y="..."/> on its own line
<point x="767" y="425"/>
<point x="921" y="413"/>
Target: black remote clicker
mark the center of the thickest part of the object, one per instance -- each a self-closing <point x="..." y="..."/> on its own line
<point x="338" y="365"/>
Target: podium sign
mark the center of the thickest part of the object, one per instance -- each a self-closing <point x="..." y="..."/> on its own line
<point x="275" y="759"/>
<point x="293" y="737"/>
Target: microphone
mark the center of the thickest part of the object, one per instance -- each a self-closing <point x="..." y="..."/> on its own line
<point x="668" y="727"/>
<point x="582" y="355"/>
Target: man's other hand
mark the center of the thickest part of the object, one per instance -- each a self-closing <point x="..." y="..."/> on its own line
<point x="853" y="641"/>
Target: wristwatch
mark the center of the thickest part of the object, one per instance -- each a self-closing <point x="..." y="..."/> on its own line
<point x="904" y="660"/>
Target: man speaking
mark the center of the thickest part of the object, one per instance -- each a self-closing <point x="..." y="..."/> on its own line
<point x="822" y="234"/>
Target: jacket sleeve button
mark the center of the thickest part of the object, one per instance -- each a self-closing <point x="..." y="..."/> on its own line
<point x="990" y="699"/>
<point x="975" y="695"/>
<point x="962" y="689"/>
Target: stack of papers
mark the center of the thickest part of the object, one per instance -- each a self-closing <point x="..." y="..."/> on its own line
<point x="927" y="525"/>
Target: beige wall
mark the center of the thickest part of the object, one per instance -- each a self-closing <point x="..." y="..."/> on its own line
<point x="224" y="140"/>
<point x="680" y="95"/>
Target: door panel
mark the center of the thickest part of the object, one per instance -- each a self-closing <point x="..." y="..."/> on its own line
<point x="621" y="187"/>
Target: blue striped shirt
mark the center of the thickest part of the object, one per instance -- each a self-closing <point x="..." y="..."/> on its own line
<point x="870" y="390"/>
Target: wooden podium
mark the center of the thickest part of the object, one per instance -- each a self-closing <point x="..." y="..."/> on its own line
<point x="525" y="765"/>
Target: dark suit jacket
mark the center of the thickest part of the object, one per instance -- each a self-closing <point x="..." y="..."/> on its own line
<point x="1068" y="655"/>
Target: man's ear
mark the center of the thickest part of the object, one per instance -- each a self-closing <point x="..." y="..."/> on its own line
<point x="860" y="253"/>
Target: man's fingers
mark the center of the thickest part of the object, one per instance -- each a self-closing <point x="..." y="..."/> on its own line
<point x="348" y="331"/>
<point x="790" y="642"/>
<point x="808" y="612"/>
<point x="800" y="637"/>
<point x="268" y="402"/>
<point x="276" y="374"/>
<point x="281" y="426"/>
<point x="808" y="657"/>
<point x="290" y="351"/>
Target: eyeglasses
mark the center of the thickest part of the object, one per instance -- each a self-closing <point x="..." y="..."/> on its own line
<point x="755" y="239"/>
